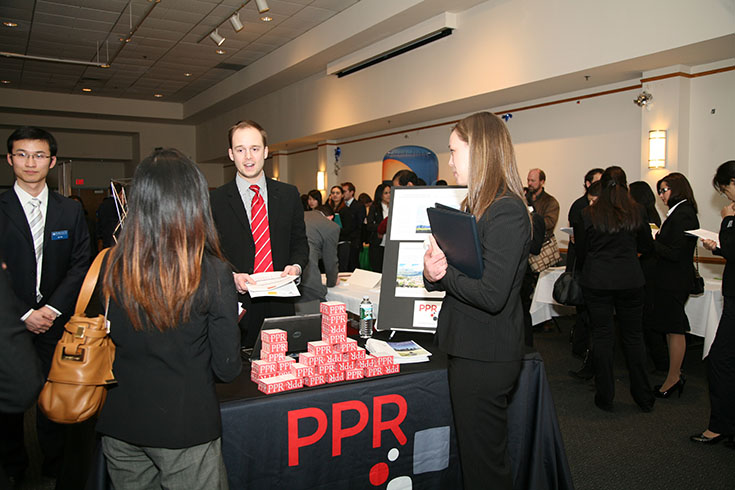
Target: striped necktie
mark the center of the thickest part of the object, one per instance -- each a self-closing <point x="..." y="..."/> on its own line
<point x="36" y="223"/>
<point x="261" y="233"/>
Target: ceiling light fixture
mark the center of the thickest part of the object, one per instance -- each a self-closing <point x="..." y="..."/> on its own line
<point x="5" y="82"/>
<point x="235" y="21"/>
<point x="220" y="51"/>
<point x="215" y="36"/>
<point x="7" y="23"/>
<point x="158" y="96"/>
<point x="266" y="18"/>
<point x="86" y="89"/>
<point x="187" y="74"/>
<point x="262" y="6"/>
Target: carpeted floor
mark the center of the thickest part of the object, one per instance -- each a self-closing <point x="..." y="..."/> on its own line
<point x="624" y="450"/>
<point x="629" y="449"/>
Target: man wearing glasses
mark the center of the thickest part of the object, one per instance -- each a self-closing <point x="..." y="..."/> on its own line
<point x="45" y="244"/>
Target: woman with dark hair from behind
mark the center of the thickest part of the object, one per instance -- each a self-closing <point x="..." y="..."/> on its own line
<point x="376" y="214"/>
<point x="173" y="318"/>
<point x="314" y="199"/>
<point x="655" y="340"/>
<point x="721" y="359"/>
<point x="480" y="325"/>
<point x="607" y="241"/>
<point x="674" y="274"/>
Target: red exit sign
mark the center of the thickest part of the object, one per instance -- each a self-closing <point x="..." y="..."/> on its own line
<point x="79" y="182"/>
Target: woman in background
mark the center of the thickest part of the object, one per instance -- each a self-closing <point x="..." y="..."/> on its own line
<point x="607" y="242"/>
<point x="173" y="317"/>
<point x="674" y="274"/>
<point x="480" y="324"/>
<point x="721" y="359"/>
<point x="655" y="341"/>
<point x="336" y="199"/>
<point x="314" y="199"/>
<point x="376" y="214"/>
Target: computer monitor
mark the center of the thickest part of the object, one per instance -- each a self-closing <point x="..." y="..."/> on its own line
<point x="300" y="330"/>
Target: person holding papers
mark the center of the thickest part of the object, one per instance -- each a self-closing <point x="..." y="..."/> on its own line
<point x="721" y="359"/>
<point x="480" y="324"/>
<point x="260" y="222"/>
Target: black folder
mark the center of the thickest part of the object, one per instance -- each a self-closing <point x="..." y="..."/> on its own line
<point x="456" y="233"/>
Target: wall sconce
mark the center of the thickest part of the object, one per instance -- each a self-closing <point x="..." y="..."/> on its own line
<point x="320" y="184"/>
<point x="657" y="148"/>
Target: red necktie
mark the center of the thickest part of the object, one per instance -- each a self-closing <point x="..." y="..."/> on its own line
<point x="261" y="233"/>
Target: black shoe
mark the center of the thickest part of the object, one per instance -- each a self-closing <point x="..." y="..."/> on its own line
<point x="584" y="373"/>
<point x="702" y="439"/>
<point x="606" y="406"/>
<point x="678" y="386"/>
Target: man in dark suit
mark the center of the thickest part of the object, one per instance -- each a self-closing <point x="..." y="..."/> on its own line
<point x="358" y="219"/>
<point x="45" y="243"/>
<point x="280" y="238"/>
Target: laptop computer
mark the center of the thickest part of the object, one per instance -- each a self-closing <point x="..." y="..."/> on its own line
<point x="300" y="330"/>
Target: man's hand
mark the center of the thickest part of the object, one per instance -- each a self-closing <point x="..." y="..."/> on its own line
<point x="290" y="270"/>
<point x="435" y="262"/>
<point x="40" y="320"/>
<point x="241" y="282"/>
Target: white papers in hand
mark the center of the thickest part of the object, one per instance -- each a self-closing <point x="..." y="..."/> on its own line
<point x="272" y="284"/>
<point x="705" y="234"/>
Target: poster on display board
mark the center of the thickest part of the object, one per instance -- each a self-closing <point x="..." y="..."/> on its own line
<point x="404" y="303"/>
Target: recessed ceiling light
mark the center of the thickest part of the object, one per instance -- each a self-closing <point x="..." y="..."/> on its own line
<point x="220" y="51"/>
<point x="86" y="89"/>
<point x="265" y="18"/>
<point x="158" y="96"/>
<point x="7" y="23"/>
<point x="187" y="74"/>
<point x="5" y="81"/>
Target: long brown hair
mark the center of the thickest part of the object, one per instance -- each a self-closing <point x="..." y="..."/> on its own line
<point x="492" y="168"/>
<point x="615" y="210"/>
<point x="155" y="269"/>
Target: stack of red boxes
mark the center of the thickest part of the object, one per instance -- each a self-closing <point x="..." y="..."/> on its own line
<point x="333" y="359"/>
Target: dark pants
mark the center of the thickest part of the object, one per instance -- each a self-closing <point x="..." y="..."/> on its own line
<point x="655" y="341"/>
<point x="376" y="257"/>
<point x="721" y="373"/>
<point x="581" y="332"/>
<point x="343" y="256"/>
<point x="480" y="393"/>
<point x="627" y="304"/>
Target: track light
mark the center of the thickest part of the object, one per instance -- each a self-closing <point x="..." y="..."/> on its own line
<point x="217" y="38"/>
<point x="235" y="21"/>
<point x="262" y="6"/>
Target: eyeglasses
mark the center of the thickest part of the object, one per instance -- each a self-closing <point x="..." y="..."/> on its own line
<point x="662" y="190"/>
<point x="37" y="157"/>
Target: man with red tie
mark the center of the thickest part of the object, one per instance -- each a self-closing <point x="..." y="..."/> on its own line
<point x="260" y="222"/>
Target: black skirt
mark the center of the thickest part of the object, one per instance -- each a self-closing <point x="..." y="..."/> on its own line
<point x="669" y="313"/>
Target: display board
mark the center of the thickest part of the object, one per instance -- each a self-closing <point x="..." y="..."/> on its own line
<point x="404" y="303"/>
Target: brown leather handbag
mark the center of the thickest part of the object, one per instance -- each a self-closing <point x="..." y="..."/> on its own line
<point x="81" y="369"/>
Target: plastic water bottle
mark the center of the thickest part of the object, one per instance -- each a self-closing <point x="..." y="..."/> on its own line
<point x="367" y="318"/>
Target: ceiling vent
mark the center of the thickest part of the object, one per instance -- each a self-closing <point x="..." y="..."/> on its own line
<point x="414" y="37"/>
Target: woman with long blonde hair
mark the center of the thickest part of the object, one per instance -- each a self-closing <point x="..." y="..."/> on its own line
<point x="480" y="324"/>
<point x="173" y="317"/>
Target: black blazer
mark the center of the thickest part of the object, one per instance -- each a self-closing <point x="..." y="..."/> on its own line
<point x="358" y="219"/>
<point x="482" y="319"/>
<point x="374" y="218"/>
<point x="675" y="250"/>
<point x="727" y="250"/>
<point x="20" y="369"/>
<point x="285" y="220"/>
<point x="610" y="260"/>
<point x="65" y="257"/>
<point x="165" y="393"/>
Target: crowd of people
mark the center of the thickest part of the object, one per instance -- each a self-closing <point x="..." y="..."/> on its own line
<point x="186" y="256"/>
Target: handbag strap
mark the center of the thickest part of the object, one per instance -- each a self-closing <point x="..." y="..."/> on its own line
<point x="90" y="281"/>
<point x="696" y="252"/>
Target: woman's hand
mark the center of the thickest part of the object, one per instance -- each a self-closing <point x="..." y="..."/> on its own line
<point x="435" y="262"/>
<point x="710" y="245"/>
<point x="728" y="210"/>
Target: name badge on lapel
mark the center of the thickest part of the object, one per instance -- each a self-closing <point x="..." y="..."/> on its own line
<point x="60" y="235"/>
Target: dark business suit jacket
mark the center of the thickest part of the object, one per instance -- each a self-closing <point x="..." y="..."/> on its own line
<point x="285" y="220"/>
<point x="675" y="250"/>
<point x="610" y="260"/>
<point x="727" y="250"/>
<point x="20" y="369"/>
<point x="482" y="319"/>
<point x="165" y="393"/>
<point x="65" y="257"/>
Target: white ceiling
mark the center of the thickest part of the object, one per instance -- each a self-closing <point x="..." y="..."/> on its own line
<point x="171" y="40"/>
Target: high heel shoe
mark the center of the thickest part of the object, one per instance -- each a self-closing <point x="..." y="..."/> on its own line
<point x="678" y="386"/>
<point x="702" y="439"/>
